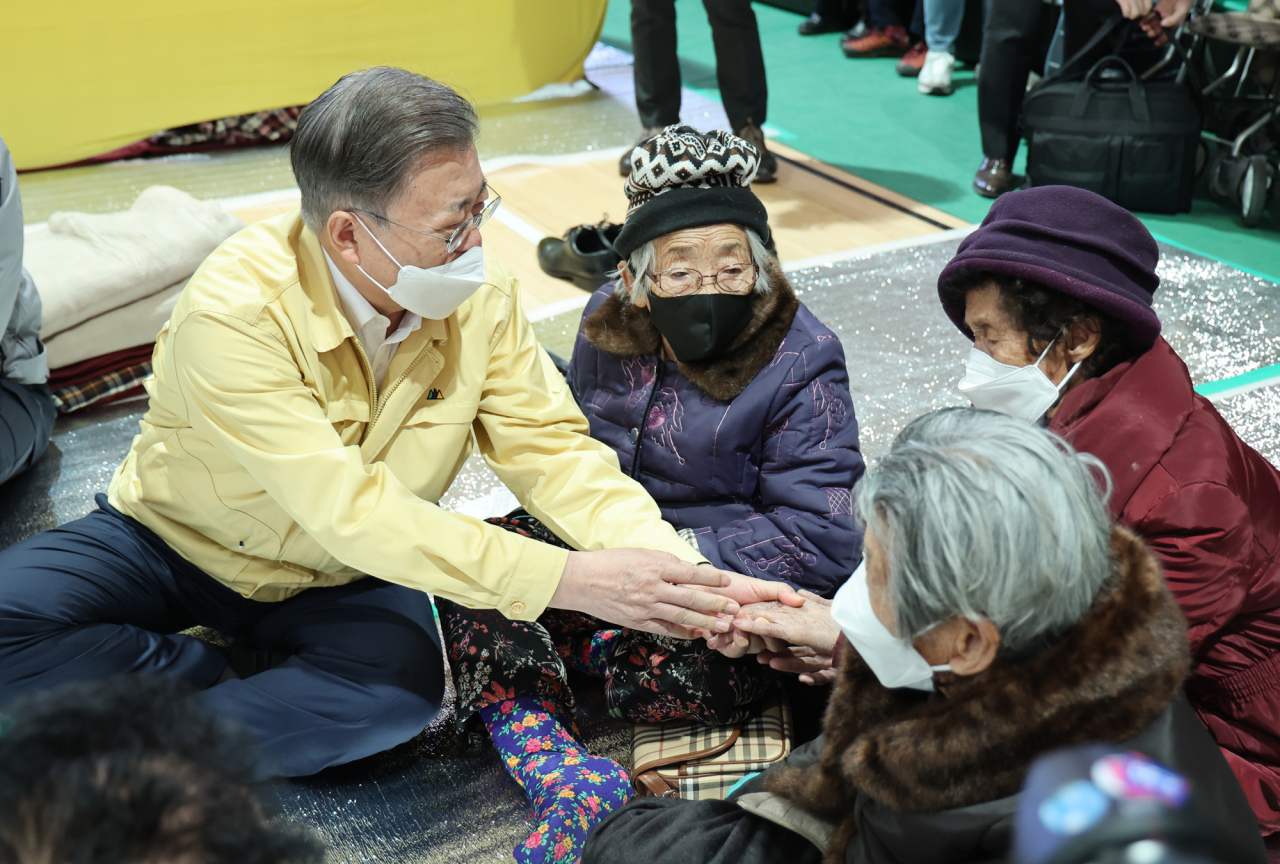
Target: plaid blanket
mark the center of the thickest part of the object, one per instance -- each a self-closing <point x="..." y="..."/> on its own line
<point x="261" y="127"/>
<point x="110" y="387"/>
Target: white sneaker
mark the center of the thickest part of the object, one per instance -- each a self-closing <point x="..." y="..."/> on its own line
<point x="935" y="77"/>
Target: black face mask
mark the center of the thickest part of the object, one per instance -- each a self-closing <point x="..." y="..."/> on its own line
<point x="700" y="325"/>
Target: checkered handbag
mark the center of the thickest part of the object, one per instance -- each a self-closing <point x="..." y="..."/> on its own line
<point x="697" y="762"/>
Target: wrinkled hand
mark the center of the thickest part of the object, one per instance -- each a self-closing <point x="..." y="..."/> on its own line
<point x="748" y="592"/>
<point x="645" y="590"/>
<point x="789" y="639"/>
<point x="810" y="625"/>
<point x="801" y="660"/>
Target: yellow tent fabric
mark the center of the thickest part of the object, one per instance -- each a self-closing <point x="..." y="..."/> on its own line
<point x="82" y="78"/>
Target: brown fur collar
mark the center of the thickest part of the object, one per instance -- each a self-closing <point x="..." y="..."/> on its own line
<point x="973" y="741"/>
<point x="619" y="328"/>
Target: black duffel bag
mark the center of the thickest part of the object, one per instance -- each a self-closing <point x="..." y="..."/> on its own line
<point x="1133" y="142"/>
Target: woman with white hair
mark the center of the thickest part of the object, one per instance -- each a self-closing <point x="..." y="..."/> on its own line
<point x="998" y="613"/>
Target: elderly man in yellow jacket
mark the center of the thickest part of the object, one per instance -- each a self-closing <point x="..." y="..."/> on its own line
<point x="320" y="383"/>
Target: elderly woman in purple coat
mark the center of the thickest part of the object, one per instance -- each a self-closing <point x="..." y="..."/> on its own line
<point x="729" y="402"/>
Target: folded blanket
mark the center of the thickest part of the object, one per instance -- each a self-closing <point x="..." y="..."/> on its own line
<point x="96" y="367"/>
<point x="86" y="265"/>
<point x="135" y="324"/>
<point x="111" y="387"/>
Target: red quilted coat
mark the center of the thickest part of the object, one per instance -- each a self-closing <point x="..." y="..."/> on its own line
<point x="1208" y="506"/>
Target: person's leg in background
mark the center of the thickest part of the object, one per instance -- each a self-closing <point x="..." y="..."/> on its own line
<point x="741" y="76"/>
<point x="26" y="425"/>
<point x="942" y="20"/>
<point x="1008" y="52"/>
<point x="829" y="16"/>
<point x="657" y="68"/>
<point x="887" y="37"/>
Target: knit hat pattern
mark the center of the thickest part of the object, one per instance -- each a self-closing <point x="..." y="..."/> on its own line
<point x="1069" y="240"/>
<point x="682" y="178"/>
<point x="683" y="156"/>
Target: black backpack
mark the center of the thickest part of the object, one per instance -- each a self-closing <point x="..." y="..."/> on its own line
<point x="1132" y="142"/>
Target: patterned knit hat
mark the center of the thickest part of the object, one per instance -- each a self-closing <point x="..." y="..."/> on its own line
<point x="683" y="178"/>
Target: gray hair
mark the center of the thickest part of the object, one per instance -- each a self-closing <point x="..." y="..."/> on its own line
<point x="359" y="143"/>
<point x="645" y="259"/>
<point x="981" y="514"/>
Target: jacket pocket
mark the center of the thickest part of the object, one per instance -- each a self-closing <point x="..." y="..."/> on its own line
<point x="443" y="413"/>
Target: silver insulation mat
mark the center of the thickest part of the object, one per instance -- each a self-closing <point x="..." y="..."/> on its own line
<point x="445" y="798"/>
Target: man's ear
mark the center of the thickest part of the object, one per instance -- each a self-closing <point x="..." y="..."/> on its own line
<point x="340" y="231"/>
<point x="1082" y="338"/>
<point x="975" y="646"/>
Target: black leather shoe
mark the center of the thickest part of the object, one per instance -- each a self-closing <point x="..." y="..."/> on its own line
<point x="816" y="24"/>
<point x="753" y="135"/>
<point x="624" y="164"/>
<point x="994" y="178"/>
<point x="584" y="255"/>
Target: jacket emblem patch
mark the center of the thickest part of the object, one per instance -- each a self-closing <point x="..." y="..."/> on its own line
<point x="435" y="393"/>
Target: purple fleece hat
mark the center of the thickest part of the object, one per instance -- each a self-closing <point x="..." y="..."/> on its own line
<point x="1070" y="240"/>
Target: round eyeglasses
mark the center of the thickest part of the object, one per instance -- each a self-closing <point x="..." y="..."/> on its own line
<point x="455" y="238"/>
<point x="679" y="281"/>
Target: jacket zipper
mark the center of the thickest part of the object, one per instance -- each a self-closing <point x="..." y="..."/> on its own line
<point x="377" y="410"/>
<point x="644" y="419"/>
<point x="379" y="400"/>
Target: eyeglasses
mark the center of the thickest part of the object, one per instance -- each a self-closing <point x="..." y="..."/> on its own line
<point x="455" y="238"/>
<point x="678" y="281"/>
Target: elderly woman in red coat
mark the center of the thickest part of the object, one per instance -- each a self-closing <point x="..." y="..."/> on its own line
<point x="1055" y="291"/>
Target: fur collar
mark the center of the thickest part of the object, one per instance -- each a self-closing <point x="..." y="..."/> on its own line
<point x="619" y="328"/>
<point x="974" y="740"/>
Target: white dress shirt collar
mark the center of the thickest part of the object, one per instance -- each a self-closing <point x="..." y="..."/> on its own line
<point x="370" y="325"/>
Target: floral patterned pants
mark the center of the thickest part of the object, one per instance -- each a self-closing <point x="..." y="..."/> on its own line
<point x="648" y="678"/>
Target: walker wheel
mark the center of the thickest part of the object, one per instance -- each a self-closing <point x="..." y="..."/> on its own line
<point x="1220" y="173"/>
<point x="1254" y="186"/>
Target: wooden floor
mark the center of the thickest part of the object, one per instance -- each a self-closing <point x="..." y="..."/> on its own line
<point x="814" y="209"/>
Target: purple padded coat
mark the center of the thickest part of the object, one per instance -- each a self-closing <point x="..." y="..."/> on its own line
<point x="756" y="451"/>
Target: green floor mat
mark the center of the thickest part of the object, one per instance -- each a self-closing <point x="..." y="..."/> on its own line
<point x="863" y="117"/>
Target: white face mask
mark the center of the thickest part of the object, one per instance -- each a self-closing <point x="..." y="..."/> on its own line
<point x="435" y="292"/>
<point x="1019" y="391"/>
<point x="895" y="661"/>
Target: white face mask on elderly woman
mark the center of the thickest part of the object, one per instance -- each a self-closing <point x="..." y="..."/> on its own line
<point x="1018" y="391"/>
<point x="895" y="662"/>
<point x="436" y="292"/>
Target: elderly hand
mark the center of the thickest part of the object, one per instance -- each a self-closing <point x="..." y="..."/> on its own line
<point x="809" y="625"/>
<point x="809" y="665"/>
<point x="646" y="590"/>
<point x="790" y="639"/>
<point x="747" y="591"/>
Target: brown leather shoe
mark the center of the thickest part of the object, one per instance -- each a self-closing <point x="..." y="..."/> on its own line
<point x="754" y="135"/>
<point x="624" y="164"/>
<point x="994" y="177"/>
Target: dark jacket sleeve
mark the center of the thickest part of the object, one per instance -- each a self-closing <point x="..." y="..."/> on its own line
<point x="970" y="834"/>
<point x="804" y="531"/>
<point x="693" y="832"/>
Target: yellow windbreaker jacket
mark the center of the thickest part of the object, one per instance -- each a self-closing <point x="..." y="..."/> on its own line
<point x="270" y="459"/>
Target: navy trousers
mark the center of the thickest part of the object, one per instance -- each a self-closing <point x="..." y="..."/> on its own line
<point x="103" y="595"/>
<point x="26" y="422"/>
